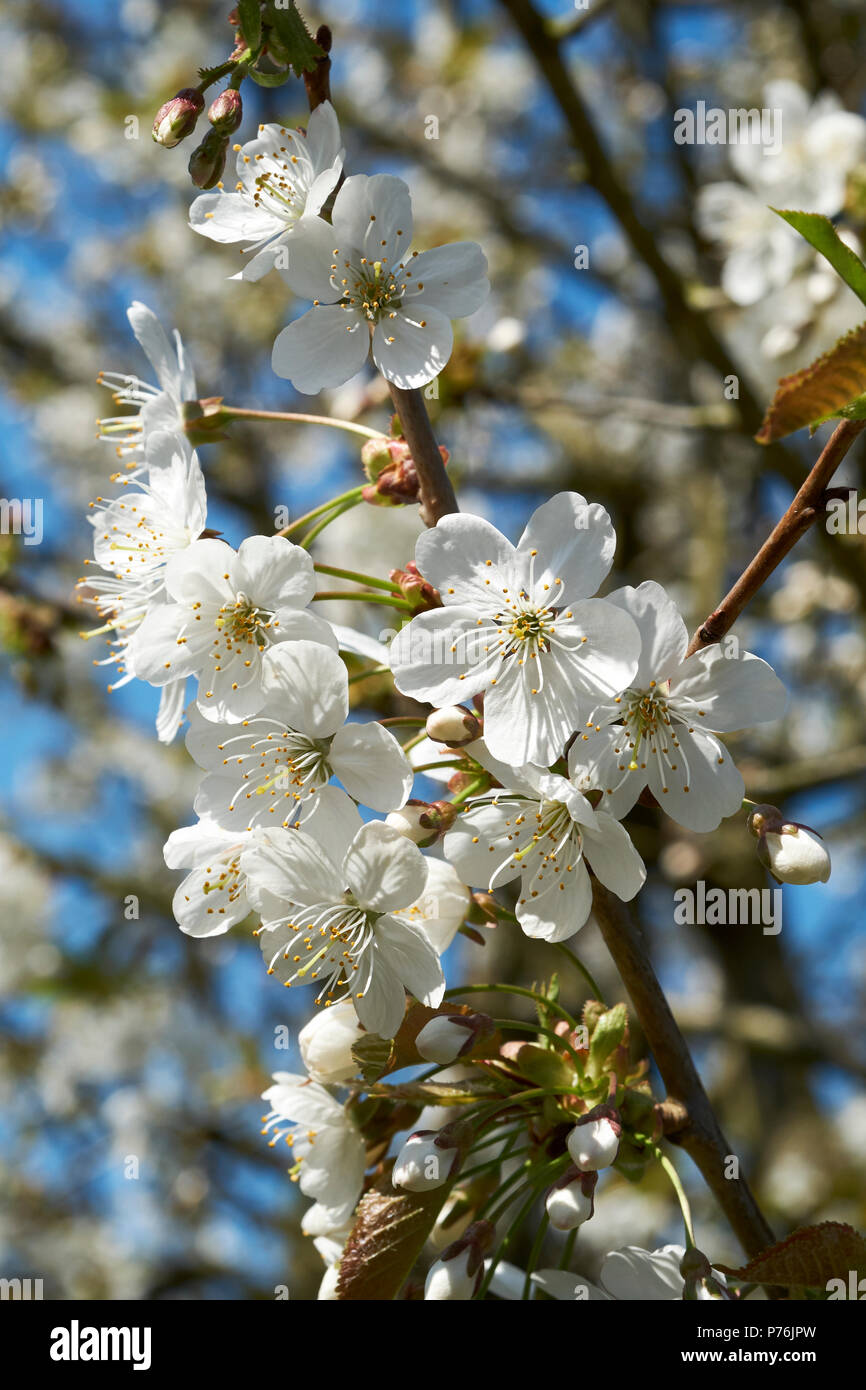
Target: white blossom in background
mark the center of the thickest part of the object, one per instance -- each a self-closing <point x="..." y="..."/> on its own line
<point x="328" y="906"/>
<point x="661" y="732"/>
<point x="159" y="407"/>
<point x="820" y="145"/>
<point x="328" y="1149"/>
<point x="136" y="534"/>
<point x="227" y="608"/>
<point x="269" y="768"/>
<point x="519" y="625"/>
<point x="541" y="830"/>
<point x="361" y="278"/>
<point x="282" y="176"/>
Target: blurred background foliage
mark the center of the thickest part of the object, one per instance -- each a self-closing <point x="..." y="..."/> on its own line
<point x="121" y="1037"/>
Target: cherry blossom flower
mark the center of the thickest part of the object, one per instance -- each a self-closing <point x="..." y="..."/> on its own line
<point x="228" y="608"/>
<point x="213" y="895"/>
<point x="517" y="624"/>
<point x="328" y="906"/>
<point x="670" y="716"/>
<point x="159" y="407"/>
<point x="541" y="830"/>
<point x="268" y="769"/>
<point x="328" y="1148"/>
<point x="283" y="175"/>
<point x="136" y="534"/>
<point x="362" y="280"/>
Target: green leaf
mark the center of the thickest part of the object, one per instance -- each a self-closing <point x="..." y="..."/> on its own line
<point x="807" y="1259"/>
<point x="820" y="233"/>
<point x="834" y="385"/>
<point x="250" y="18"/>
<point x="268" y="79"/>
<point x="301" y="50"/>
<point x="388" y="1236"/>
<point x="608" y="1034"/>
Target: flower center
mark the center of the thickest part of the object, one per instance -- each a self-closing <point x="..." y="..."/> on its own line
<point x="277" y="764"/>
<point x="242" y="622"/>
<point x="331" y="947"/>
<point x="369" y="287"/>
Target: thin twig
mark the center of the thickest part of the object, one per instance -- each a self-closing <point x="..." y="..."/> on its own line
<point x="803" y="511"/>
<point x="437" y="494"/>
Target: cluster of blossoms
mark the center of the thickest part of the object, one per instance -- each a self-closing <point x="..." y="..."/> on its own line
<point x="554" y="709"/>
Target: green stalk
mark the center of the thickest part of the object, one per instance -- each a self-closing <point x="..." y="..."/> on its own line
<point x="237" y="413"/>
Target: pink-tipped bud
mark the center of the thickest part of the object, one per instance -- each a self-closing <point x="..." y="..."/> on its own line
<point x="415" y="588"/>
<point x="176" y="118"/>
<point x="423" y="822"/>
<point x="454" y="726"/>
<point x="226" y="111"/>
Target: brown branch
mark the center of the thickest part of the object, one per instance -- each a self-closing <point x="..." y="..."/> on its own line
<point x="318" y="82"/>
<point x="803" y="511"/>
<point x="701" y="1137"/>
<point x="437" y="494"/>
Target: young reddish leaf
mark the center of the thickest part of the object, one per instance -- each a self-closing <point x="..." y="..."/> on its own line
<point x="808" y="1258"/>
<point x="388" y="1236"/>
<point x="831" y="386"/>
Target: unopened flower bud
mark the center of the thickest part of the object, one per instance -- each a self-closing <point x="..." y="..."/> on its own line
<point x="226" y="111"/>
<point x="594" y="1141"/>
<point x="425" y="1161"/>
<point x="326" y="1043"/>
<point x="701" y="1283"/>
<point x="176" y="118"/>
<point x="443" y="1039"/>
<point x="208" y="160"/>
<point x="414" y="588"/>
<point x="454" y="726"/>
<point x="423" y="822"/>
<point x="796" y="855"/>
<point x="459" y="1271"/>
<point x="570" y="1202"/>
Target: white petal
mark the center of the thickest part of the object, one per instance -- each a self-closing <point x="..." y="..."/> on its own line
<point x="332" y="820"/>
<point x="333" y="1171"/>
<point x="274" y="572"/>
<point x="613" y="858"/>
<point x="413" y="347"/>
<point x="556" y="906"/>
<point x="441" y="908"/>
<point x="374" y="215"/>
<point x="154" y="341"/>
<point x="371" y="765"/>
<point x="663" y="634"/>
<point x="598" y="761"/>
<point x="575" y="544"/>
<point x="412" y="958"/>
<point x="305" y="687"/>
<point x="724" y="693"/>
<point x="309" y="254"/>
<point x="383" y="869"/>
<point x="439" y="657"/>
<point x="323" y="136"/>
<point x="170" y="715"/>
<point x="327" y="346"/>
<point x="453" y="556"/>
<point x="154" y="654"/>
<point x="704" y="766"/>
<point x="290" y="866"/>
<point x="451" y="278"/>
<point x="230" y="217"/>
<point x="648" y="1276"/>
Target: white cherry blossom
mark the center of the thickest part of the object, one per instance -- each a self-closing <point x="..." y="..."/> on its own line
<point x="519" y="625"/>
<point x="328" y="1149"/>
<point x="282" y="176"/>
<point x="227" y="608"/>
<point x="661" y="732"/>
<point x="136" y="533"/>
<point x="267" y="769"/>
<point x="541" y="830"/>
<point x="328" y="908"/>
<point x="326" y="1043"/>
<point x="627" y="1275"/>
<point x="213" y="895"/>
<point x="362" y="281"/>
<point x="159" y="407"/>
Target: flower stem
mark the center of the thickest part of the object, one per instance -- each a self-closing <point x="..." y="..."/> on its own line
<point x="513" y="989"/>
<point x="353" y="575"/>
<point x="354" y="492"/>
<point x="237" y="413"/>
<point x="683" y="1200"/>
<point x="534" y="1254"/>
<point x="469" y="791"/>
<point x="596" y="992"/>
<point x="306" y="541"/>
<point x="390" y="599"/>
<point x="371" y="671"/>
